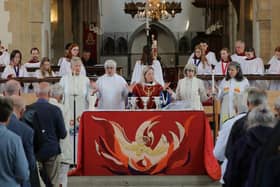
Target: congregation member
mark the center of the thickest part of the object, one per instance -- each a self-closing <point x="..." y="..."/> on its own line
<point x="12" y="87"/>
<point x="200" y="61"/>
<point x="15" y="68"/>
<point x="86" y="58"/>
<point x="211" y="57"/>
<point x="45" y="69"/>
<point x="76" y="87"/>
<point x="239" y="55"/>
<point x="222" y="67"/>
<point x="147" y="58"/>
<point x="277" y="107"/>
<point x="256" y="132"/>
<point x="274" y="69"/>
<point x="49" y="128"/>
<point x="111" y="88"/>
<point x="223" y="135"/>
<point x="233" y="84"/>
<point x="14" y="166"/>
<point x="191" y="89"/>
<point x="34" y="62"/>
<point x="65" y="66"/>
<point x="255" y="98"/>
<point x="65" y="144"/>
<point x="149" y="88"/>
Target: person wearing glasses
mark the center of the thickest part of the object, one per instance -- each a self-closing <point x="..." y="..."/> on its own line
<point x="65" y="65"/>
<point x="191" y="89"/>
<point x="111" y="89"/>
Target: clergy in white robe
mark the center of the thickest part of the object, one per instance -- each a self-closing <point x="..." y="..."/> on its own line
<point x="76" y="87"/>
<point x="140" y="64"/>
<point x="233" y="85"/>
<point x="275" y="69"/>
<point x="111" y="88"/>
<point x="191" y="89"/>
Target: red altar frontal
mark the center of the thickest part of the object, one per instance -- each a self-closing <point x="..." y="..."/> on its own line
<point x="145" y="143"/>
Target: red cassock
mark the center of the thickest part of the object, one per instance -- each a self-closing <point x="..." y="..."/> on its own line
<point x="141" y="90"/>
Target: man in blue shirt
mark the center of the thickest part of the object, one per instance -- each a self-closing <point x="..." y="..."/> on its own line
<point x="13" y="163"/>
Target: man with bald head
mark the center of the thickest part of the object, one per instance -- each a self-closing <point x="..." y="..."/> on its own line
<point x="48" y="124"/>
<point x="239" y="55"/>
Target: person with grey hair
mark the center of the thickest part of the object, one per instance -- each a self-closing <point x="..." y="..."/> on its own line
<point x="261" y="122"/>
<point x="56" y="98"/>
<point x="111" y="88"/>
<point x="12" y="87"/>
<point x="191" y="89"/>
<point x="255" y="97"/>
<point x="76" y="87"/>
<point x="49" y="128"/>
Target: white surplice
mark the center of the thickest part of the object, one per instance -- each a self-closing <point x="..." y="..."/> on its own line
<point x="65" y="68"/>
<point x="38" y="74"/>
<point x="9" y="70"/>
<point x="5" y="59"/>
<point x="227" y="91"/>
<point x="274" y="69"/>
<point x="239" y="58"/>
<point x="191" y="90"/>
<point x="112" y="92"/>
<point x="211" y="58"/>
<point x="219" y="68"/>
<point x="138" y="71"/>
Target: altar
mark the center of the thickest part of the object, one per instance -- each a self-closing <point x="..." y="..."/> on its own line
<point x="145" y="143"/>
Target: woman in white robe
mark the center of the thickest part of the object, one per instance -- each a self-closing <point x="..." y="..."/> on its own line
<point x="275" y="69"/>
<point x="45" y="69"/>
<point x="140" y="64"/>
<point x="65" y="64"/>
<point x="232" y="85"/>
<point x="254" y="66"/>
<point x="222" y="66"/>
<point x="191" y="89"/>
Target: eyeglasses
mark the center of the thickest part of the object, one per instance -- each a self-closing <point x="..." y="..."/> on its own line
<point x="190" y="70"/>
<point x="109" y="67"/>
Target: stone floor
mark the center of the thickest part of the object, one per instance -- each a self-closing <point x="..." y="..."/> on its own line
<point x="142" y="181"/>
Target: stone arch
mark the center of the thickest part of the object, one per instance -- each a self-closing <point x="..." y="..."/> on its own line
<point x="109" y="46"/>
<point x="122" y="47"/>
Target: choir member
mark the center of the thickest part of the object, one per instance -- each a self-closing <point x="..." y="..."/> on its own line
<point x="65" y="66"/>
<point x="275" y="69"/>
<point x="232" y="85"/>
<point x="66" y="51"/>
<point x="45" y="69"/>
<point x="191" y="89"/>
<point x="200" y="61"/>
<point x="148" y="87"/>
<point x="211" y="57"/>
<point x="111" y="89"/>
<point x="4" y="56"/>
<point x="146" y="58"/>
<point x="239" y="55"/>
<point x="34" y="62"/>
<point x="222" y="66"/>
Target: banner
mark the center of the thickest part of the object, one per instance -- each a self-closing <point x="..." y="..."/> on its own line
<point x="146" y="143"/>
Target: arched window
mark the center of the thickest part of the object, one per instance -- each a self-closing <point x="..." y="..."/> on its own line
<point x="122" y="46"/>
<point x="109" y="46"/>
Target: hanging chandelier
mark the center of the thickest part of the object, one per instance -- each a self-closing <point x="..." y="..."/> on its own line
<point x="155" y="10"/>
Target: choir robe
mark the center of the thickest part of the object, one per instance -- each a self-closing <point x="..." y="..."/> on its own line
<point x="4" y="59"/>
<point x="138" y="71"/>
<point x="228" y="89"/>
<point x="211" y="57"/>
<point x="221" y="68"/>
<point x="255" y="67"/>
<point x="112" y="92"/>
<point x="79" y="86"/>
<point x="10" y="72"/>
<point x="239" y="58"/>
<point x="191" y="90"/>
<point x="150" y="90"/>
<point x="274" y="69"/>
<point x="38" y="74"/>
<point x="65" y="68"/>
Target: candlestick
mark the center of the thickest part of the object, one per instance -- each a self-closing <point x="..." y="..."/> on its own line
<point x="213" y="81"/>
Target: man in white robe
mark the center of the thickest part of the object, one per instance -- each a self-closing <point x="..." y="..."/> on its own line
<point x="76" y="89"/>
<point x="239" y="55"/>
<point x="111" y="88"/>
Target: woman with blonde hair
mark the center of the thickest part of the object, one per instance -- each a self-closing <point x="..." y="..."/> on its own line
<point x="200" y="61"/>
<point x="191" y="89"/>
<point x="45" y="69"/>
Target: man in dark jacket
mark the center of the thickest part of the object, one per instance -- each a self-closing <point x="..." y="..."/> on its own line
<point x="48" y="124"/>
